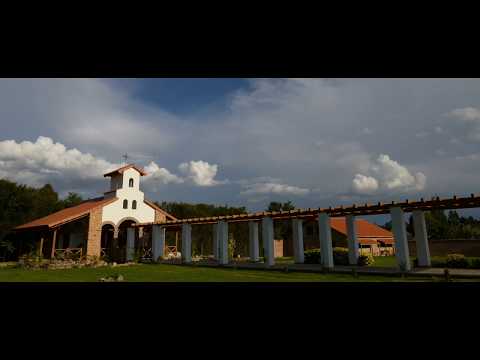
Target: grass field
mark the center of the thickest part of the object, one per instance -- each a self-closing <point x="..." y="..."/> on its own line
<point x="176" y="273"/>
<point x="380" y="261"/>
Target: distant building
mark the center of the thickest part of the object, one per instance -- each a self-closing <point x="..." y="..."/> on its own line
<point x="97" y="227"/>
<point x="371" y="237"/>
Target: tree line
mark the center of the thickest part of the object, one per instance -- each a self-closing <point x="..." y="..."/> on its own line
<point x="445" y="226"/>
<point x="20" y="204"/>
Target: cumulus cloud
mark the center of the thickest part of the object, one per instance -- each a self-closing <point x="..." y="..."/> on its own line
<point x="364" y="184"/>
<point x="201" y="173"/>
<point x="274" y="188"/>
<point x="388" y="174"/>
<point x="162" y="175"/>
<point x="35" y="162"/>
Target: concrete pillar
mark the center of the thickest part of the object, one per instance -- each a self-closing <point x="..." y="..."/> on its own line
<point x="130" y="244"/>
<point x="215" y="241"/>
<point x="222" y="232"/>
<point x="253" y="241"/>
<point x="400" y="236"/>
<point x="298" y="251"/>
<point x="352" y="240"/>
<point x="268" y="244"/>
<point x="421" y="239"/>
<point x="158" y="242"/>
<point x="325" y="235"/>
<point x="186" y="243"/>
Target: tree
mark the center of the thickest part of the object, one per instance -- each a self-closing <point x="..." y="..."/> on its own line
<point x="283" y="228"/>
<point x="72" y="199"/>
<point x="202" y="234"/>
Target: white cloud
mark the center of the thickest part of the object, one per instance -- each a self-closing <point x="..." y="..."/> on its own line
<point x="161" y="175"/>
<point x="438" y="129"/>
<point x="274" y="188"/>
<point x="201" y="173"/>
<point x="35" y="162"/>
<point x="422" y="134"/>
<point x="367" y="131"/>
<point x="466" y="114"/>
<point x="364" y="184"/>
<point x="469" y="122"/>
<point x="389" y="175"/>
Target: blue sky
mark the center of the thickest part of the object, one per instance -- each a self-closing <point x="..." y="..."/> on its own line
<point x="316" y="142"/>
<point x="186" y="95"/>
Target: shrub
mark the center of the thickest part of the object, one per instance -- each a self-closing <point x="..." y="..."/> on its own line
<point x="438" y="262"/>
<point x="474" y="263"/>
<point x="456" y="261"/>
<point x="340" y="256"/>
<point x="365" y="260"/>
<point x="312" y="256"/>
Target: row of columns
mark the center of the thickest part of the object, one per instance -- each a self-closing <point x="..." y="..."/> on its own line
<point x="220" y="240"/>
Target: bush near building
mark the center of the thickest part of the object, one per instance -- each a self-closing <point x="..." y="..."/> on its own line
<point x="340" y="257"/>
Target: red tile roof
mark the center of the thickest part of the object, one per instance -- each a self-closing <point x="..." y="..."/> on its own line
<point x="364" y="228"/>
<point x="126" y="167"/>
<point x="67" y="215"/>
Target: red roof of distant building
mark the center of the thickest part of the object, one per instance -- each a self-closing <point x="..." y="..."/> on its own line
<point x="67" y="215"/>
<point x="126" y="167"/>
<point x="366" y="231"/>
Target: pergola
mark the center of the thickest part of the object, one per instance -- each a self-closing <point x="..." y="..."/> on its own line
<point x="322" y="215"/>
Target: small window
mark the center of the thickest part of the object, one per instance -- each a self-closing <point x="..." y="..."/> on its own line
<point x="130" y="183"/>
<point x="125" y="204"/>
<point x="134" y="204"/>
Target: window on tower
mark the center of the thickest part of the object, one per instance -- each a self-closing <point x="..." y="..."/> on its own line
<point x="134" y="204"/>
<point x="130" y="183"/>
<point x="125" y="204"/>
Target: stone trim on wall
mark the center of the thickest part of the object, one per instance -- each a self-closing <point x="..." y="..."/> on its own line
<point x="94" y="232"/>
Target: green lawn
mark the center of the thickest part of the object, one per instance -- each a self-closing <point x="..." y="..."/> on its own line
<point x="380" y="261"/>
<point x="176" y="273"/>
<point x="385" y="261"/>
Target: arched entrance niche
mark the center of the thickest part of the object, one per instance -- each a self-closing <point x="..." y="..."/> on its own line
<point x="107" y="241"/>
<point x="121" y="248"/>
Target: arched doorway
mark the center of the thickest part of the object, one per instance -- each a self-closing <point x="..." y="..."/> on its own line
<point x="107" y="242"/>
<point x="121" y="246"/>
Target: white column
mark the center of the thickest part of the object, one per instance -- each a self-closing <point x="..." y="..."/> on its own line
<point x="325" y="234"/>
<point x="223" y="242"/>
<point x="421" y="239"/>
<point x="130" y="243"/>
<point x="352" y="240"/>
<point x="253" y="240"/>
<point x="186" y="243"/>
<point x="215" y="241"/>
<point x="268" y="244"/>
<point x="400" y="235"/>
<point x="158" y="242"/>
<point x="298" y="251"/>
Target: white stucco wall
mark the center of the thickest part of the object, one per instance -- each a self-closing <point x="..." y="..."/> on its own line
<point x="115" y="212"/>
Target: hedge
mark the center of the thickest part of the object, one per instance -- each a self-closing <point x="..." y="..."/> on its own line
<point x="456" y="261"/>
<point x="340" y="257"/>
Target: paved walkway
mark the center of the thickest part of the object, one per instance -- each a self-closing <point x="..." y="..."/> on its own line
<point x="316" y="268"/>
